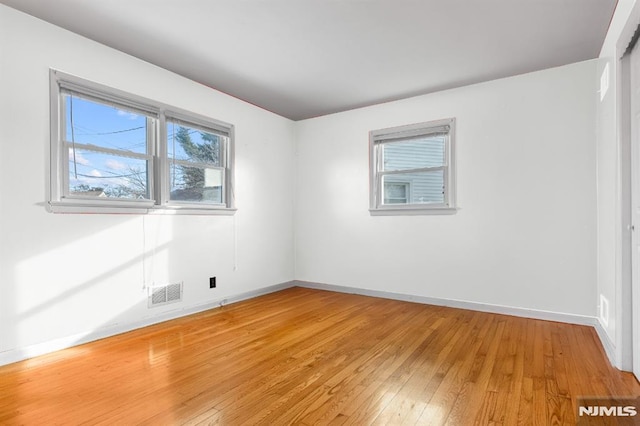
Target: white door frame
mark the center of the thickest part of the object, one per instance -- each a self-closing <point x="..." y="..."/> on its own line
<point x="631" y="102"/>
<point x="634" y="94"/>
<point x="628" y="325"/>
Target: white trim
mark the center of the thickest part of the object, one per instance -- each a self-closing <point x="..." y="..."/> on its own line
<point x="192" y="210"/>
<point x="624" y="294"/>
<point x="64" y="208"/>
<point x="408" y="211"/>
<point x="31" y="351"/>
<point x="43" y="348"/>
<point x="623" y="249"/>
<point x="630" y="111"/>
<point x="461" y="304"/>
<point x="607" y="343"/>
<point x="625" y="151"/>
<point x="79" y="208"/>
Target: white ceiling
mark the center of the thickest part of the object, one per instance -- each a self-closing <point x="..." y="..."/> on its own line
<point x="305" y="58"/>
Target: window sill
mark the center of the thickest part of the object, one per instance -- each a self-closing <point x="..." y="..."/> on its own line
<point x="412" y="211"/>
<point x="87" y="208"/>
<point x="193" y="210"/>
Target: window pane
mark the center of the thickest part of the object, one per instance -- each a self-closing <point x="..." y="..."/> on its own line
<point x="414" y="188"/>
<point x="96" y="174"/>
<point x="396" y="192"/>
<point x="104" y="125"/>
<point x="420" y="152"/>
<point x="196" y="184"/>
<point x="191" y="144"/>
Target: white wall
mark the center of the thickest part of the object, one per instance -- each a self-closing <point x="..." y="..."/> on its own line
<point x="524" y="237"/>
<point x="611" y="230"/>
<point x="525" y="234"/>
<point x="69" y="275"/>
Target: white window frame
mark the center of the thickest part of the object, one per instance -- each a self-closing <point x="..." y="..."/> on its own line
<point x="377" y="138"/>
<point x="225" y="157"/>
<point x="61" y="201"/>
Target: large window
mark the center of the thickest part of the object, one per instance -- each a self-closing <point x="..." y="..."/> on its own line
<point x="412" y="169"/>
<point x="112" y="151"/>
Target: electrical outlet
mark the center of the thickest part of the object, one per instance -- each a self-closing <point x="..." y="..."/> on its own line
<point x="212" y="282"/>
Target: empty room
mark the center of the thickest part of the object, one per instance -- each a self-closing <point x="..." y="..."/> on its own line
<point x="315" y="212"/>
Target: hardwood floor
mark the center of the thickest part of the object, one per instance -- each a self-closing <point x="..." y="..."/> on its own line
<point x="310" y="357"/>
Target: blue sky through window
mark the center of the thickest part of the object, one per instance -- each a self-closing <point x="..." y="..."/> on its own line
<point x="108" y="153"/>
<point x="90" y="123"/>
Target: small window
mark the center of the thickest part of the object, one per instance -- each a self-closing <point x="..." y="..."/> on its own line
<point x="115" y="152"/>
<point x="412" y="169"/>
<point x="197" y="163"/>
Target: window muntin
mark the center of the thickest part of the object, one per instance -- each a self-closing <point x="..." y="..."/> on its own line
<point x="412" y="168"/>
<point x="111" y="152"/>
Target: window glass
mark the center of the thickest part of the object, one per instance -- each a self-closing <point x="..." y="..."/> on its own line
<point x="107" y="150"/>
<point x="106" y="126"/>
<point x="196" y="184"/>
<point x="424" y="187"/>
<point x="414" y="153"/>
<point x="396" y="192"/>
<point x="97" y="174"/>
<point x="194" y="145"/>
<point x="196" y="164"/>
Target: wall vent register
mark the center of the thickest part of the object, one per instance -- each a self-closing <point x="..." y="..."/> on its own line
<point x="165" y="294"/>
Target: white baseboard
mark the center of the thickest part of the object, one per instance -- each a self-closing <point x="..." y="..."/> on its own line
<point x="20" y="354"/>
<point x="607" y="344"/>
<point x="452" y="303"/>
<point x="31" y="351"/>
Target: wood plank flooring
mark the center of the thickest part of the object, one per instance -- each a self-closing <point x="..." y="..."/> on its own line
<point x="313" y="357"/>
